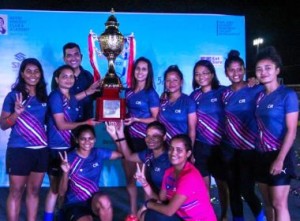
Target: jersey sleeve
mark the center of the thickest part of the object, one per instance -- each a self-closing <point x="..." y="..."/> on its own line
<point x="9" y="102"/>
<point x="191" y="105"/>
<point x="153" y="99"/>
<point x="104" y="154"/>
<point x="55" y="103"/>
<point x="142" y="155"/>
<point x="291" y="102"/>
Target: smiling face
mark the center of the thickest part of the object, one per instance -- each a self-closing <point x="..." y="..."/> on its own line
<point x="73" y="57"/>
<point x="141" y="72"/>
<point x="31" y="75"/>
<point x="66" y="79"/>
<point x="266" y="71"/>
<point x="86" y="141"/>
<point x="178" y="154"/>
<point x="154" y="138"/>
<point x="235" y="72"/>
<point x="203" y="76"/>
<point x="173" y="82"/>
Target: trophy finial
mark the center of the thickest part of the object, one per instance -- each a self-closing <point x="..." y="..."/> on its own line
<point x="112" y="11"/>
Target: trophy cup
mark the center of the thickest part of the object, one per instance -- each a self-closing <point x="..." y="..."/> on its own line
<point x="110" y="106"/>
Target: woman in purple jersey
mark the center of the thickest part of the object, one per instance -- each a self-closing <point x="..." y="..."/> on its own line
<point x="63" y="111"/>
<point x="142" y="104"/>
<point x="24" y="112"/>
<point x="241" y="134"/>
<point x="177" y="110"/>
<point x="277" y="116"/>
<point x="209" y="130"/>
<point x="81" y="170"/>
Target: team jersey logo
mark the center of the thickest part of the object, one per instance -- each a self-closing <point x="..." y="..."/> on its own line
<point x="213" y="100"/>
<point x="270" y="106"/>
<point x="177" y="111"/>
<point x="138" y="102"/>
<point x="242" y="101"/>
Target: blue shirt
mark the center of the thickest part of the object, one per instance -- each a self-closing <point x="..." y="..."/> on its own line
<point x="175" y="115"/>
<point x="29" y="129"/>
<point x="210" y="115"/>
<point x="155" y="167"/>
<point x="240" y="124"/>
<point x="58" y="103"/>
<point x="84" y="174"/>
<point x="271" y="111"/>
<point x="139" y="105"/>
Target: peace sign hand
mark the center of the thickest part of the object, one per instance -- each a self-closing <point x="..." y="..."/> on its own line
<point x="65" y="166"/>
<point x="140" y="175"/>
<point x="19" y="108"/>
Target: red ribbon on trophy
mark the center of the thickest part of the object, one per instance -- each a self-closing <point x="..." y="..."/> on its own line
<point x="128" y="56"/>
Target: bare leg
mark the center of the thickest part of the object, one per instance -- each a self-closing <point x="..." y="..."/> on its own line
<point x="265" y="192"/>
<point x="32" y="194"/>
<point x="279" y="195"/>
<point x="52" y="195"/>
<point x="130" y="168"/>
<point x="16" y="190"/>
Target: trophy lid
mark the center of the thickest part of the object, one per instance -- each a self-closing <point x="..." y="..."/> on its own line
<point x="112" y="20"/>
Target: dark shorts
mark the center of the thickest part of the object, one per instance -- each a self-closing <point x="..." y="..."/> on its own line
<point x="209" y="160"/>
<point x="54" y="162"/>
<point x="23" y="161"/>
<point x="74" y="211"/>
<point x="263" y="164"/>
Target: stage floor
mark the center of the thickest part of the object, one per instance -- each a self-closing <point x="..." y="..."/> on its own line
<point x="120" y="202"/>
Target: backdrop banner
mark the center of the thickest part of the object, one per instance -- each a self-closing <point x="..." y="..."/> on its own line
<point x="166" y="39"/>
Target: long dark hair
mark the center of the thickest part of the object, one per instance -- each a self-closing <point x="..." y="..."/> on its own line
<point x="20" y="84"/>
<point x="215" y="83"/>
<point x="149" y="81"/>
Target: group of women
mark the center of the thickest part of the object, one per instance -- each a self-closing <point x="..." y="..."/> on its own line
<point x="240" y="134"/>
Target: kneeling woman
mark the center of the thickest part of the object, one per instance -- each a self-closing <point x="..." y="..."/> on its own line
<point x="81" y="173"/>
<point x="183" y="189"/>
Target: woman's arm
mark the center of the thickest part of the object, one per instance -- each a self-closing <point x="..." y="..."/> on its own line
<point x="192" y="121"/>
<point x="170" y="208"/>
<point x="291" y="124"/>
<point x="116" y="132"/>
<point x="65" y="166"/>
<point x="154" y="112"/>
<point x="62" y="124"/>
<point x="91" y="90"/>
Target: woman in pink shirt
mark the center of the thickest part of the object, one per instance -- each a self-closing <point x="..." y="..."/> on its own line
<point x="183" y="189"/>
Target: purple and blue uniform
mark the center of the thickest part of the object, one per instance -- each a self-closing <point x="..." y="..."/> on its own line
<point x="155" y="167"/>
<point x="84" y="174"/>
<point x="270" y="112"/>
<point x="175" y="115"/>
<point x="58" y="103"/>
<point x="29" y="129"/>
<point x="240" y="124"/>
<point x="210" y="116"/>
<point x="139" y="105"/>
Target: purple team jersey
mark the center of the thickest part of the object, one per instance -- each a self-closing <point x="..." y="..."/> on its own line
<point x="271" y="111"/>
<point x="29" y="129"/>
<point x="240" y="124"/>
<point x="175" y="115"/>
<point x="210" y="115"/>
<point x="58" y="103"/>
<point x="84" y="174"/>
<point x="139" y="105"/>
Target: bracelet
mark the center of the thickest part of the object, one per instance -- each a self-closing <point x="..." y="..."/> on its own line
<point x="9" y="122"/>
<point x="145" y="185"/>
<point x="120" y="139"/>
<point x="85" y="93"/>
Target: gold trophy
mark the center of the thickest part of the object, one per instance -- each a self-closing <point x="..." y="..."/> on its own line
<point x="110" y="106"/>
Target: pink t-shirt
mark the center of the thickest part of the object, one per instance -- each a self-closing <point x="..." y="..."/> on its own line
<point x="190" y="183"/>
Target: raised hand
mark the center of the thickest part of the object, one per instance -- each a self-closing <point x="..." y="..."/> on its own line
<point x="140" y="175"/>
<point x="111" y="129"/>
<point x="65" y="166"/>
<point x="19" y="108"/>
